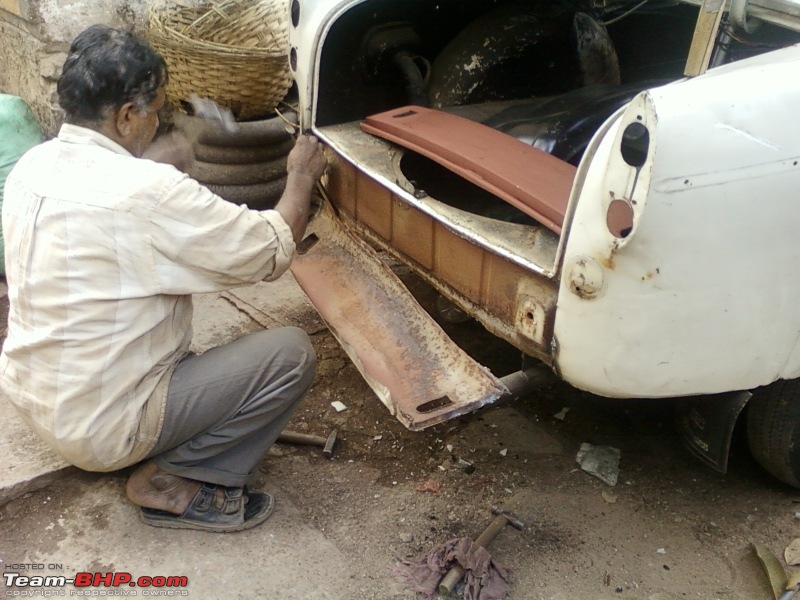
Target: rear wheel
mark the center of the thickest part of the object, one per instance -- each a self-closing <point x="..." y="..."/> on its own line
<point x="773" y="429"/>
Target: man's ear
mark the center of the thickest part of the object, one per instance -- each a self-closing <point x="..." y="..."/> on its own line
<point x="123" y="119"/>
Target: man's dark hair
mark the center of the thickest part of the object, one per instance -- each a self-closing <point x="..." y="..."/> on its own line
<point x="106" y="68"/>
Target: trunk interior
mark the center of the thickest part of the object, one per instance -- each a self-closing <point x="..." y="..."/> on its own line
<point x="546" y="73"/>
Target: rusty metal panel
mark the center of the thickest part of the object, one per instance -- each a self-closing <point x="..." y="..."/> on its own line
<point x="459" y="262"/>
<point x="342" y="185"/>
<point x="416" y="370"/>
<point x="511" y="300"/>
<point x="361" y="155"/>
<point x="500" y="282"/>
<point x="413" y="233"/>
<point x="373" y="206"/>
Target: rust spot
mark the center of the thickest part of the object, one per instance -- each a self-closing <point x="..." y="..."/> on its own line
<point x="651" y="274"/>
<point x="608" y="261"/>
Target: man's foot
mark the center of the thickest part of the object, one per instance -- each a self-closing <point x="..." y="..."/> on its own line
<point x="168" y="500"/>
<point x="151" y="487"/>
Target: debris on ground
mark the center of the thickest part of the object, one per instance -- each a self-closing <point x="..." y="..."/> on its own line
<point x="484" y="579"/>
<point x="792" y="553"/>
<point x="775" y="572"/>
<point x="464" y="465"/>
<point x="600" y="461"/>
<point x="562" y="414"/>
<point x="432" y="486"/>
<point x="608" y="497"/>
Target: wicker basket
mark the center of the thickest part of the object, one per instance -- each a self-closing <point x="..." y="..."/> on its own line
<point x="232" y="51"/>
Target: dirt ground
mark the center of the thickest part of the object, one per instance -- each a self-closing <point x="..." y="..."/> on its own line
<point x="669" y="529"/>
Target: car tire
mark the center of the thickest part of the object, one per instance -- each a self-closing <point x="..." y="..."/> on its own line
<point x="258" y="196"/>
<point x="514" y="38"/>
<point x="245" y="166"/>
<point x="237" y="174"/>
<point x="246" y="133"/>
<point x="242" y="155"/>
<point x="773" y="429"/>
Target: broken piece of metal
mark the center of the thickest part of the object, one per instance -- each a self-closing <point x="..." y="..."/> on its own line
<point x="773" y="569"/>
<point x="416" y="370"/>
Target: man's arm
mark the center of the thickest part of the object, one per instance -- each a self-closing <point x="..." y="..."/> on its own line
<point x="305" y="165"/>
<point x="173" y="149"/>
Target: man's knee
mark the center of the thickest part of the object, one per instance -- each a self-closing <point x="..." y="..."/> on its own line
<point x="298" y="353"/>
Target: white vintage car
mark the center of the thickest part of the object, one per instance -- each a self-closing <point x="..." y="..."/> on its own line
<point x="611" y="186"/>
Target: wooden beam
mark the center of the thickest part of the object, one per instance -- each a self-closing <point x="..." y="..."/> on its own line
<point x="705" y="35"/>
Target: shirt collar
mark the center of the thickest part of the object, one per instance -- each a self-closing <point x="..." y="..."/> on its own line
<point x="74" y="134"/>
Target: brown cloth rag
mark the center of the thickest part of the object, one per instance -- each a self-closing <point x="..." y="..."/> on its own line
<point x="484" y="578"/>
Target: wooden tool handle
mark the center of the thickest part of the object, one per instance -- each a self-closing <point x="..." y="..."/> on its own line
<point x="454" y="575"/>
<point x="294" y="437"/>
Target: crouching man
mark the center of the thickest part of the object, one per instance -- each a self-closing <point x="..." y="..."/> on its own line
<point x="104" y="251"/>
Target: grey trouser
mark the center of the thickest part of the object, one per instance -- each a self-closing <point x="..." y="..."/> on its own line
<point x="226" y="407"/>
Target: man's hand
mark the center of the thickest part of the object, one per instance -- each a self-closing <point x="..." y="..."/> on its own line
<point x="173" y="149"/>
<point x="307" y="158"/>
<point x="305" y="165"/>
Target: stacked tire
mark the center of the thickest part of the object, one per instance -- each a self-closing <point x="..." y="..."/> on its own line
<point x="246" y="165"/>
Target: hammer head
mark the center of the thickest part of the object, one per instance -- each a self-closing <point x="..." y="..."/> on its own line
<point x="512" y="520"/>
<point x="209" y="110"/>
<point x="327" y="451"/>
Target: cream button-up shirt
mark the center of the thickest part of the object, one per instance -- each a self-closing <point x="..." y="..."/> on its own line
<point x="103" y="252"/>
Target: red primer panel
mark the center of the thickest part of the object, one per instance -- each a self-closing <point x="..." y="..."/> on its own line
<point x="533" y="181"/>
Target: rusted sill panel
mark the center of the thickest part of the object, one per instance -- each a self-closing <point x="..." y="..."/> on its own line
<point x="511" y="302"/>
<point x="531" y="180"/>
<point x="416" y="370"/>
<point x="533" y="247"/>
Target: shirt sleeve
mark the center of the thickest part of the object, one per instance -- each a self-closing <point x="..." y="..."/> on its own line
<point x="286" y="245"/>
<point x="203" y="243"/>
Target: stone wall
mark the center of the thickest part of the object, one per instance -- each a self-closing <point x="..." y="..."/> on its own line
<point x="35" y="36"/>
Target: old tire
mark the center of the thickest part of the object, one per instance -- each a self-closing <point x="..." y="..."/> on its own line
<point x="242" y="155"/>
<point x="247" y="133"/>
<point x="241" y="174"/>
<point x="258" y="196"/>
<point x="773" y="429"/>
<point x="506" y="54"/>
<point x="244" y="166"/>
